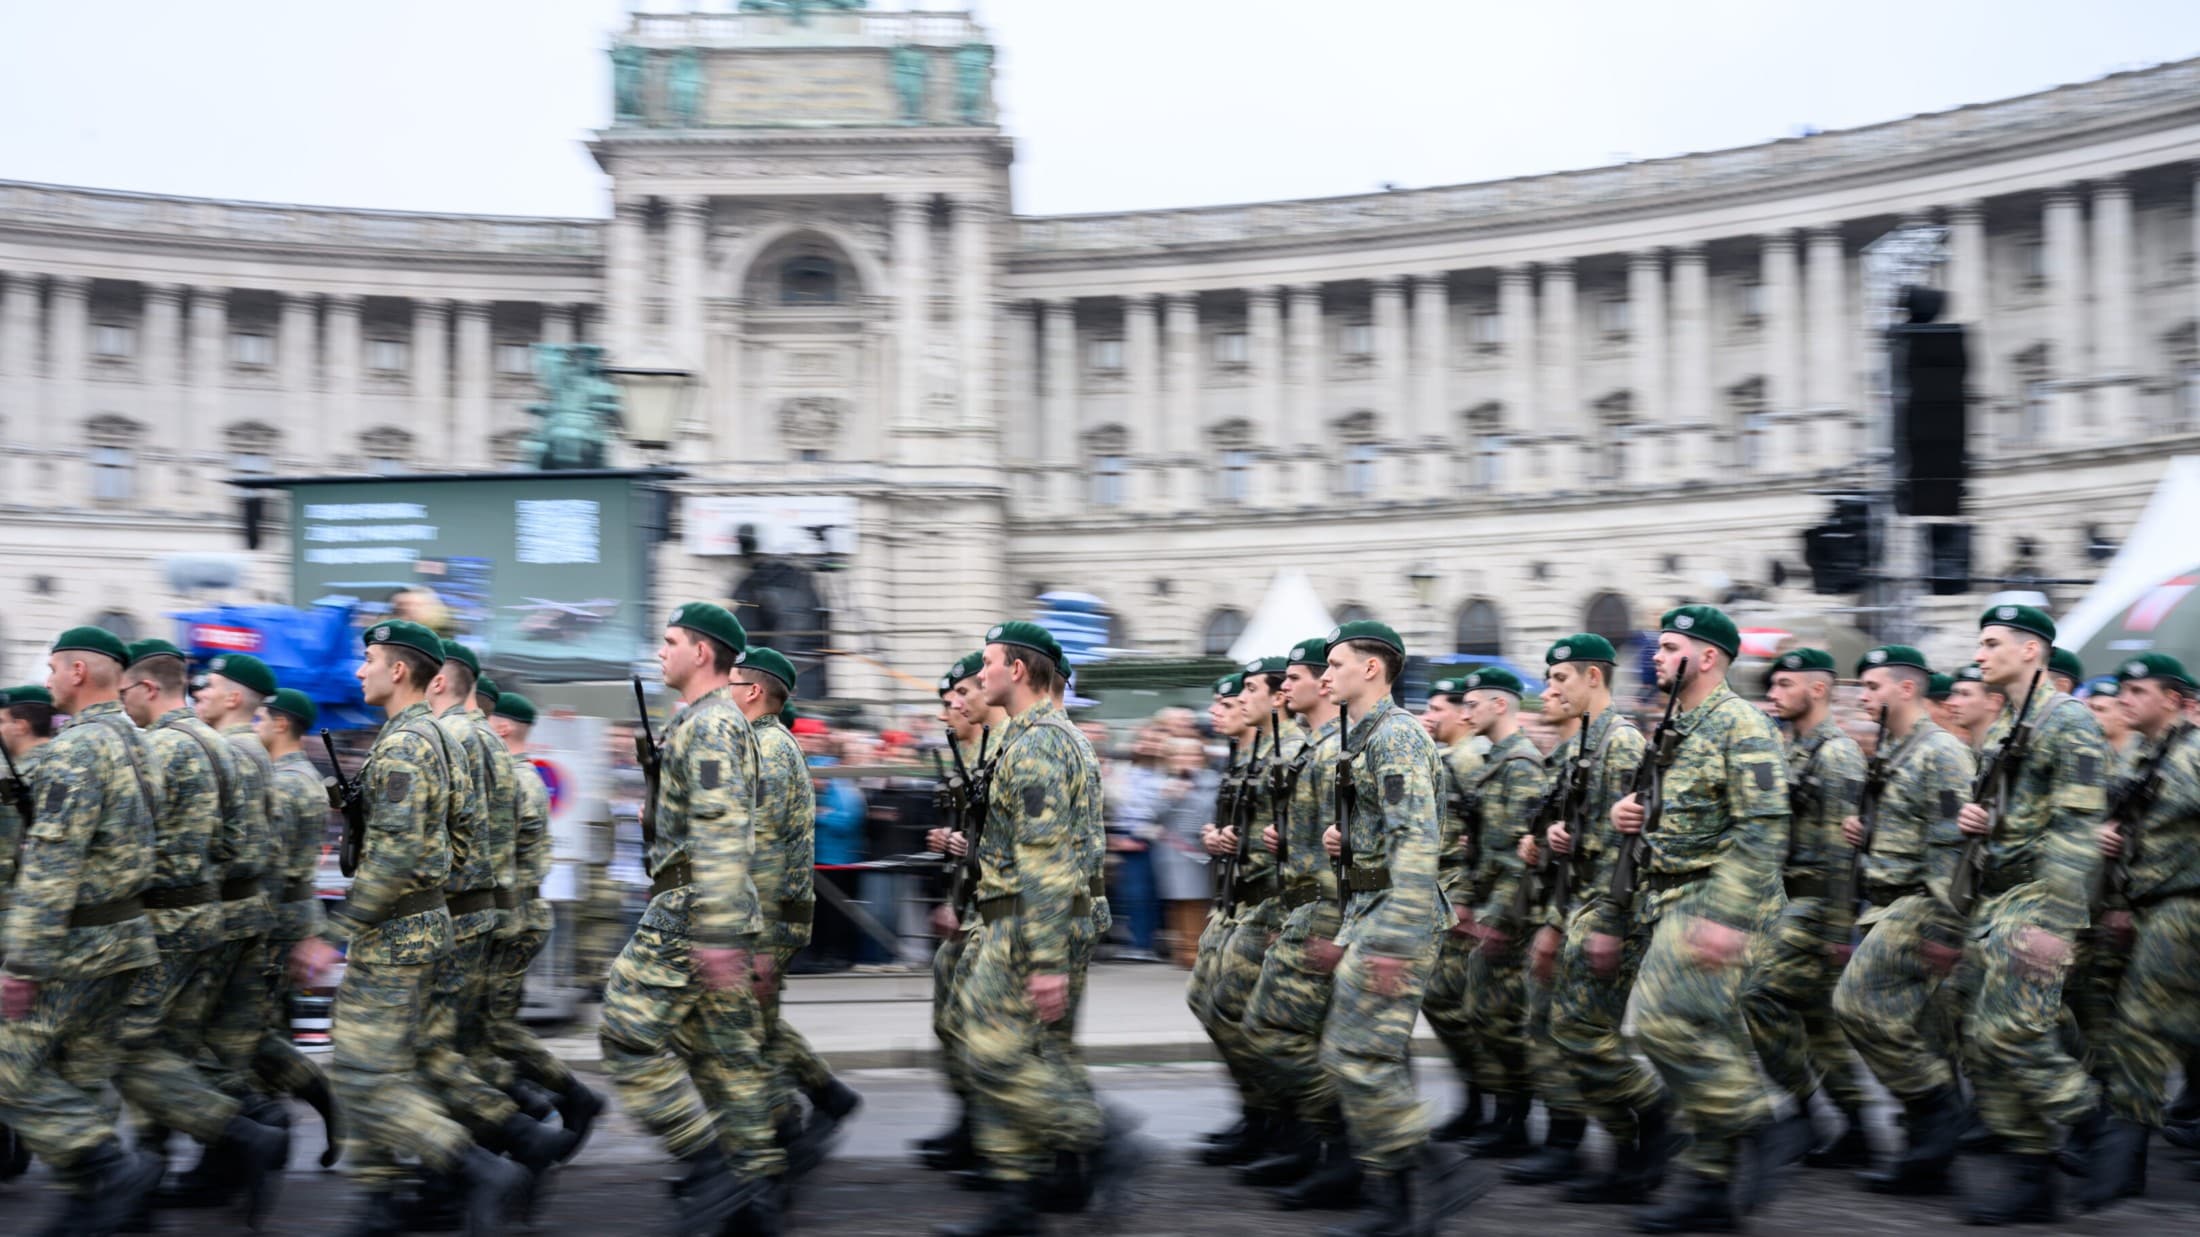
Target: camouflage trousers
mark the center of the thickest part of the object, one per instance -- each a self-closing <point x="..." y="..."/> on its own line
<point x="510" y="1050"/>
<point x="278" y="1068"/>
<point x="687" y="1060"/>
<point x="1496" y="1016"/>
<point x="2160" y="1008"/>
<point x="945" y="1012"/>
<point x="452" y="1029"/>
<point x="1366" y="1047"/>
<point x="1283" y="1026"/>
<point x="1588" y="1011"/>
<point x="2090" y="1001"/>
<point x="1444" y="1004"/>
<point x="1689" y="1022"/>
<point x="223" y="1007"/>
<point x="795" y="1066"/>
<point x="1887" y="1002"/>
<point x="56" y="1063"/>
<point x="1787" y="1003"/>
<point x="377" y="1073"/>
<point x="1231" y="950"/>
<point x="160" y="1074"/>
<point x="1553" y="1082"/>
<point x="2023" y="1076"/>
<point x="1030" y="1095"/>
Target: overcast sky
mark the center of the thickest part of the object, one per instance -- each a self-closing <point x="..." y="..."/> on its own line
<point x="480" y="105"/>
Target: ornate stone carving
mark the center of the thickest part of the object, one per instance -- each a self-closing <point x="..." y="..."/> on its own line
<point x="811" y="422"/>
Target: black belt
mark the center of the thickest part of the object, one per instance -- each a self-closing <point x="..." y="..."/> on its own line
<point x="1300" y="894"/>
<point x="470" y="901"/>
<point x="797" y="912"/>
<point x="507" y="899"/>
<point x="1665" y="882"/>
<point x="1800" y="888"/>
<point x="1097" y="887"/>
<point x="238" y="888"/>
<point x="2005" y="878"/>
<point x="1888" y="897"/>
<point x="1257" y="888"/>
<point x="674" y="875"/>
<point x="301" y="890"/>
<point x="180" y="897"/>
<point x="121" y="910"/>
<point x="418" y="902"/>
<point x="1007" y="905"/>
<point x="1366" y="880"/>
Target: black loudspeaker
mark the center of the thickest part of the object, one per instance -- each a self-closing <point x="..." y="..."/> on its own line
<point x="1948" y="559"/>
<point x="1930" y="422"/>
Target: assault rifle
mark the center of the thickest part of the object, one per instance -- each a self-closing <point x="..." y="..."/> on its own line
<point x="651" y="760"/>
<point x="969" y="816"/>
<point x="2127" y="809"/>
<point x="1867" y="814"/>
<point x="1242" y="820"/>
<point x="348" y="797"/>
<point x="1346" y="797"/>
<point x="1648" y="787"/>
<point x="1551" y="884"/>
<point x="17" y="790"/>
<point x="1990" y="790"/>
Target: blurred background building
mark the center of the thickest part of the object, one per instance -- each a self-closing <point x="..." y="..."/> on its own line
<point x="1490" y="413"/>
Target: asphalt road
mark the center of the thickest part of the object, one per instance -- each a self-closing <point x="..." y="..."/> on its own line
<point x="871" y="1187"/>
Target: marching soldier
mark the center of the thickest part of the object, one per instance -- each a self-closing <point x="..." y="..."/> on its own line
<point x="1973" y="704"/>
<point x="26" y="726"/>
<point x="1459" y="859"/>
<point x="1251" y="1135"/>
<point x="2035" y="862"/>
<point x="681" y="998"/>
<point x="2065" y="671"/>
<point x="395" y="926"/>
<point x="970" y="722"/>
<point x="1385" y="839"/>
<point x="2102" y="696"/>
<point x="76" y="930"/>
<point x="298" y="812"/>
<point x="1710" y="867"/>
<point x="1936" y="703"/>
<point x="1787" y="996"/>
<point x="1885" y="999"/>
<point x="1547" y="897"/>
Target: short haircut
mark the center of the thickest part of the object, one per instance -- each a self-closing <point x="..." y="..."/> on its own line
<point x="1909" y="674"/>
<point x="722" y="655"/>
<point x="1394" y="662"/>
<point x="292" y="725"/>
<point x="36" y="714"/>
<point x="487" y="702"/>
<point x="775" y="692"/>
<point x="459" y="677"/>
<point x="419" y="667"/>
<point x="169" y="674"/>
<point x="1039" y="671"/>
<point x="1274" y="679"/>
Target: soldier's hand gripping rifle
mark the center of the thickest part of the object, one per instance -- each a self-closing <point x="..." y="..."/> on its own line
<point x="1990" y="790"/>
<point x="969" y="820"/>
<point x="1851" y="894"/>
<point x="1648" y="788"/>
<point x="1283" y="779"/>
<point x="18" y="791"/>
<point x="1242" y="821"/>
<point x="651" y="760"/>
<point x="2128" y="803"/>
<point x="1550" y="884"/>
<point x="348" y="797"/>
<point x="1345" y="801"/>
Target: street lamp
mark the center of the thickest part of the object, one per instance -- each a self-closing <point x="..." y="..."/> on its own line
<point x="653" y="403"/>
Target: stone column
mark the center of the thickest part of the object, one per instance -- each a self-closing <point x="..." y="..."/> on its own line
<point x="163" y="379"/>
<point x="1516" y="316"/>
<point x="558" y="324"/>
<point x="1694" y="402"/>
<point x="1431" y="357"/>
<point x="19" y="374"/>
<point x="1304" y="421"/>
<point x="1264" y="328"/>
<point x="342" y="342"/>
<point x="1562" y="406"/>
<point x="1394" y="373"/>
<point x="912" y="232"/>
<point x="1967" y="290"/>
<point x="1783" y="325"/>
<point x="689" y="223"/>
<point x="974" y="307"/>
<point x="1646" y="316"/>
<point x="1148" y="415"/>
<point x="2063" y="235"/>
<point x="1058" y="336"/>
<point x="2113" y="367"/>
<point x="730" y="427"/>
<point x="431" y="378"/>
<point x="1183" y="369"/>
<point x="626" y="244"/>
<point x="68" y="345"/>
<point x="209" y="377"/>
<point x="1828" y="332"/>
<point x="470" y="419"/>
<point x="1021" y="428"/>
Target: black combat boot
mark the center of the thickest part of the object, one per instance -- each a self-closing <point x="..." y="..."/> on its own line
<point x="761" y="1217"/>
<point x="1466" y="1123"/>
<point x="15" y="1155"/>
<point x="1386" y="1209"/>
<point x="1851" y="1149"/>
<point x="378" y="1216"/>
<point x="531" y="1143"/>
<point x="1015" y="1213"/>
<point x="1560" y="1156"/>
<point x="1773" y="1147"/>
<point x="2119" y="1155"/>
<point x="1936" y="1124"/>
<point x="1333" y="1185"/>
<point x="237" y="1160"/>
<point x="1506" y="1136"/>
<point x="438" y="1206"/>
<point x="1260" y="1127"/>
<point x="316" y="1095"/>
<point x="260" y="1155"/>
<point x="1699" y="1204"/>
<point x="1227" y="1133"/>
<point x="116" y="1184"/>
<point x="2024" y="1193"/>
<point x="537" y="1102"/>
<point x="2075" y="1156"/>
<point x="1298" y="1151"/>
<point x="836" y="1100"/>
<point x="577" y="1110"/>
<point x="494" y="1186"/>
<point x="712" y="1191"/>
<point x="959" y="1152"/>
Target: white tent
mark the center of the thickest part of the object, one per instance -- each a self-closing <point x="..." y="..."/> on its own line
<point x="1291" y="612"/>
<point x="2159" y="547"/>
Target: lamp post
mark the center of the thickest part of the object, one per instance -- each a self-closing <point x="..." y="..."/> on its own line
<point x="653" y="404"/>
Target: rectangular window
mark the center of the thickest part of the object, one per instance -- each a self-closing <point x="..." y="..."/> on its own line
<point x="1613" y="318"/>
<point x="385" y="465"/>
<point x="1234" y="477"/>
<point x="1754" y="429"/>
<point x="114" y="340"/>
<point x="1356" y="475"/>
<point x="114" y="475"/>
<point x="1107" y="481"/>
<point x="1356" y="340"/>
<point x="1749" y="303"/>
<point x="254" y="350"/>
<point x="388" y="356"/>
<point x="1105" y="356"/>
<point x="2032" y="262"/>
<point x="2188" y="399"/>
<point x="810" y="455"/>
<point x="250" y="464"/>
<point x="2032" y="418"/>
<point x="1232" y="350"/>
<point x="515" y="360"/>
<point x="1489" y="458"/>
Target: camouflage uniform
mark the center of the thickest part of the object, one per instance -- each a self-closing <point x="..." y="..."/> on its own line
<point x="1787" y="997"/>
<point x="784" y="872"/>
<point x="2160" y="1005"/>
<point x="1283" y="1020"/>
<point x="1391" y="829"/>
<point x="2039" y="869"/>
<point x="160" y="1076"/>
<point x="1493" y="1018"/>
<point x="298" y="810"/>
<point x="946" y="961"/>
<point x="667" y="1038"/>
<point x="395" y="927"/>
<point x="76" y="928"/>
<point x="514" y="1046"/>
<point x="224" y="1002"/>
<point x="1885" y="998"/>
<point x="1231" y="948"/>
<point x="12" y="825"/>
<point x="1030" y="1098"/>
<point x="1460" y="861"/>
<point x="1716" y="855"/>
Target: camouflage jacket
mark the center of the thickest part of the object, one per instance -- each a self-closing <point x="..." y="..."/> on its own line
<point x="198" y="784"/>
<point x="1031" y="846"/>
<point x="1724" y="832"/>
<point x="786" y="840"/>
<point x="533" y="849"/>
<point x="411" y="781"/>
<point x="2043" y="853"/>
<point x="1092" y="834"/>
<point x="1914" y="843"/>
<point x="1258" y="864"/>
<point x="12" y="822"/>
<point x="1615" y="749"/>
<point x="501" y="791"/>
<point x="300" y="806"/>
<point x="706" y="811"/>
<point x="1459" y="857"/>
<point x="1391" y="825"/>
<point x="473" y="831"/>
<point x="94" y="798"/>
<point x="2166" y="858"/>
<point x="259" y="850"/>
<point x="1825" y="771"/>
<point x="1308" y="774"/>
<point x="1506" y="790"/>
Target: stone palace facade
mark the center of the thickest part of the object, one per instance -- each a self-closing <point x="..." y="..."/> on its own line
<point x="1491" y="413"/>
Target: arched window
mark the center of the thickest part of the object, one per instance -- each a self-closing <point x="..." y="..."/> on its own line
<point x="1479" y="631"/>
<point x="120" y="622"/>
<point x="809" y="279"/>
<point x="387" y="450"/>
<point x="1354" y="614"/>
<point x="1223" y="629"/>
<point x="251" y="448"/>
<point x="1611" y="617"/>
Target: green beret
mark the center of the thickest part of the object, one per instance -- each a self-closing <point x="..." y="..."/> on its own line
<point x="1267" y="665"/>
<point x="1452" y="689"/>
<point x="404" y="634"/>
<point x="1805" y="660"/>
<point x="29" y="693"/>
<point x="1973" y="673"/>
<point x="516" y="707"/>
<point x="1313" y="652"/>
<point x="1027" y="635"/>
<point x="93" y="640"/>
<point x="486" y="686"/>
<point x="1706" y="623"/>
<point x="717" y="622"/>
<point x="787" y="715"/>
<point x="1230" y="684"/>
<point x="2028" y="619"/>
<point x="1368" y="629"/>
<point x="1586" y="646"/>
<point x="1491" y="679"/>
<point x="966" y="666"/>
<point x="1894" y="655"/>
<point x="770" y="661"/>
<point x="142" y="649"/>
<point x="2154" y="666"/>
<point x="245" y="671"/>
<point x="1939" y="686"/>
<point x="290" y="702"/>
<point x="2065" y="663"/>
<point x="454" y="651"/>
<point x="2106" y="685"/>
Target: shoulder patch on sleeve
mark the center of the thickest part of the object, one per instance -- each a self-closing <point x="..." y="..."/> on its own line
<point x="711" y="775"/>
<point x="1035" y="799"/>
<point x="1948" y="805"/>
<point x="57" y="795"/>
<point x="1763" y="773"/>
<point x="2089" y="767"/>
<point x="397" y="787"/>
<point x="1394" y="788"/>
